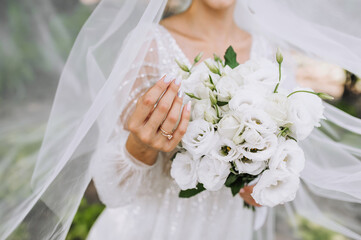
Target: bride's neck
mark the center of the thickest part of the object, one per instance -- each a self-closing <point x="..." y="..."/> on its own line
<point x="207" y="22"/>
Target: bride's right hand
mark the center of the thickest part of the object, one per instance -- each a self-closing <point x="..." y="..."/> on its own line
<point x="145" y="139"/>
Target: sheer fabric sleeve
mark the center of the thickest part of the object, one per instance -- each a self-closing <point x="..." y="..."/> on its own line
<point x="120" y="178"/>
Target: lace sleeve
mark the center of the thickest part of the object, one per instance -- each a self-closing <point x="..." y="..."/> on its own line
<point x="120" y="178"/>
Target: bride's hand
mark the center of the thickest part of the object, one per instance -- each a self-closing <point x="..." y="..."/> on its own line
<point x="245" y="193"/>
<point x="146" y="138"/>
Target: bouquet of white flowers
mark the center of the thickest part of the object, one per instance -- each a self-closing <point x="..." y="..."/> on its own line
<point x="244" y="126"/>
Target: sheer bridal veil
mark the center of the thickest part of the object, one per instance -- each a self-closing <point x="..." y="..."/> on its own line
<point x="104" y="63"/>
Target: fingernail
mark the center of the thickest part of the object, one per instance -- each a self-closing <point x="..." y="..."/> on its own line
<point x="168" y="78"/>
<point x="242" y="190"/>
<point x="180" y="93"/>
<point x="178" y="81"/>
<point x="189" y="104"/>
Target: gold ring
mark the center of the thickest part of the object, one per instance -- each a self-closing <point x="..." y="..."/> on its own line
<point x="166" y="134"/>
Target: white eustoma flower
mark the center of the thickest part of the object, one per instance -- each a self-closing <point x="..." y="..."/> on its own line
<point x="225" y="150"/>
<point x="224" y="110"/>
<point x="195" y="82"/>
<point x="202" y="109"/>
<point x="195" y="86"/>
<point x="275" y="187"/>
<point x="199" y="138"/>
<point x="288" y="157"/>
<point x="184" y="170"/>
<point x="226" y="87"/>
<point x="260" y="70"/>
<point x="304" y="112"/>
<point x="245" y="165"/>
<point x="276" y="105"/>
<point x="213" y="173"/>
<point x="259" y="120"/>
<point x="245" y="98"/>
<point x="237" y="74"/>
<point x="229" y="125"/>
<point x="256" y="146"/>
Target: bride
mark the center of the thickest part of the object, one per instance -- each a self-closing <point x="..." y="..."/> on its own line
<point x="132" y="177"/>
<point x="108" y="125"/>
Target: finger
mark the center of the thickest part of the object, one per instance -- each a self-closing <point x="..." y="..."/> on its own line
<point x="146" y="102"/>
<point x="245" y="193"/>
<point x="167" y="145"/>
<point x="163" y="107"/>
<point x="181" y="128"/>
<point x="249" y="199"/>
<point x="172" y="118"/>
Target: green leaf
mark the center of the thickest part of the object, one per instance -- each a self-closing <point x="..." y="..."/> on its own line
<point x="231" y="58"/>
<point x="231" y="179"/>
<point x="191" y="192"/>
<point x="220" y="103"/>
<point x="241" y="181"/>
<point x="173" y="157"/>
<point x="211" y="80"/>
<point x="237" y="186"/>
<point x="191" y="95"/>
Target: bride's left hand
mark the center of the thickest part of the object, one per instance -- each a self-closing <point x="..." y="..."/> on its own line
<point x="245" y="193"/>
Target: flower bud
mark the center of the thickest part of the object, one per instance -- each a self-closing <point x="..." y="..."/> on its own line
<point x="279" y="56"/>
<point x="182" y="66"/>
<point x="217" y="58"/>
<point x="212" y="68"/>
<point x="198" y="57"/>
<point x="325" y="96"/>
<point x="209" y="85"/>
<point x="213" y="98"/>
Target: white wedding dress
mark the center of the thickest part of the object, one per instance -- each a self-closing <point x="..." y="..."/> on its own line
<point x="142" y="201"/>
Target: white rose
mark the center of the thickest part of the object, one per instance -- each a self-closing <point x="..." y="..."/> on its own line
<point x="276" y="105"/>
<point x="275" y="187"/>
<point x="213" y="173"/>
<point x="225" y="150"/>
<point x="199" y="138"/>
<point x="256" y="146"/>
<point x="184" y="170"/>
<point x="204" y="110"/>
<point x="304" y="112"/>
<point x="229" y="125"/>
<point x="226" y="88"/>
<point x="245" y="165"/>
<point x="288" y="157"/>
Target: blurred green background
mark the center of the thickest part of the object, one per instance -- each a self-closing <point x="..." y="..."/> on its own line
<point x="36" y="37"/>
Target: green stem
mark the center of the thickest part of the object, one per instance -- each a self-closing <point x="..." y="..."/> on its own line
<point x="279" y="77"/>
<point x="289" y="95"/>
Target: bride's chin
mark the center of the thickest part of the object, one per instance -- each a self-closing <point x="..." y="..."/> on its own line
<point x="219" y="4"/>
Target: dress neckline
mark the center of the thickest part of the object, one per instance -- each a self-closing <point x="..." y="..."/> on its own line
<point x="185" y="59"/>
